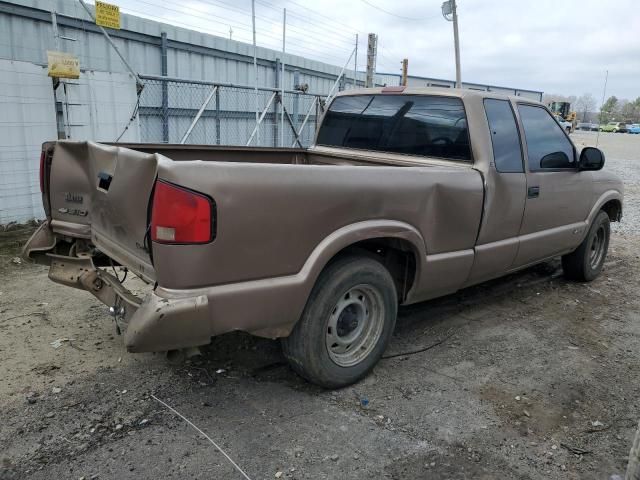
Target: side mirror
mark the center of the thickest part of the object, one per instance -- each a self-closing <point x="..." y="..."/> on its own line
<point x="591" y="158"/>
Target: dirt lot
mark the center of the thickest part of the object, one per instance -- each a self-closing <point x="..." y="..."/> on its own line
<point x="536" y="377"/>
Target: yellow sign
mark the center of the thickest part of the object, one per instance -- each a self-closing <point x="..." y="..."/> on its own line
<point x="63" y="65"/>
<point x="107" y="15"/>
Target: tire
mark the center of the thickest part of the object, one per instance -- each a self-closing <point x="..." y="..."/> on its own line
<point x="568" y="130"/>
<point x="585" y="263"/>
<point x="346" y="324"/>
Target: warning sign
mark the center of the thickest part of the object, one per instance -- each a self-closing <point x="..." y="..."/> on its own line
<point x="107" y="15"/>
<point x="63" y="65"/>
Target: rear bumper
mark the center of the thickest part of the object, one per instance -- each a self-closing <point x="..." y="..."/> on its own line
<point x="155" y="323"/>
<point x="169" y="319"/>
<point x="161" y="324"/>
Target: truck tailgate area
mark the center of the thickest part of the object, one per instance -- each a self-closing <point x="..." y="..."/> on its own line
<point x="101" y="193"/>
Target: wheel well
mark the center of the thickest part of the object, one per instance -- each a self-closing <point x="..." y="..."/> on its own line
<point x="613" y="208"/>
<point x="397" y="255"/>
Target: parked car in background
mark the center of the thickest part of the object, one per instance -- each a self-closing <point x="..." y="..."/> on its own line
<point x="633" y="128"/>
<point x="566" y="125"/>
<point x="583" y="126"/>
<point x="595" y="127"/>
<point x="615" y="127"/>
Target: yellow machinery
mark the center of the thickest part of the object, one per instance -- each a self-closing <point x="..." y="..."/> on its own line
<point x="563" y="110"/>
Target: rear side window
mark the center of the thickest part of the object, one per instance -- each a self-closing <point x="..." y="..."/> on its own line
<point x="547" y="145"/>
<point x="430" y="126"/>
<point x="504" y="136"/>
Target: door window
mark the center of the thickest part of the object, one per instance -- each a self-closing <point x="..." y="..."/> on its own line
<point x="547" y="145"/>
<point x="504" y="136"/>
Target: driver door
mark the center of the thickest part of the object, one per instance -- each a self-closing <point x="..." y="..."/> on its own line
<point x="558" y="194"/>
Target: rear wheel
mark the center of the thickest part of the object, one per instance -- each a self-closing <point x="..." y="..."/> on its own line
<point x="585" y="263"/>
<point x="346" y="324"/>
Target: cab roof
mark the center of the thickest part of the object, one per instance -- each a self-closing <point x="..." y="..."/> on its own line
<point x="448" y="92"/>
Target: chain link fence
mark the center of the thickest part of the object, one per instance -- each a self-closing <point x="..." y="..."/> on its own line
<point x="194" y="112"/>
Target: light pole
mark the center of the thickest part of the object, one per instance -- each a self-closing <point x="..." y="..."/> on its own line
<point x="449" y="12"/>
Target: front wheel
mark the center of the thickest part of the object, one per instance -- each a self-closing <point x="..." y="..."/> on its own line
<point x="346" y="324"/>
<point x="585" y="263"/>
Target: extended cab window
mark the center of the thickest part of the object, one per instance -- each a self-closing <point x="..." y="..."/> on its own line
<point x="547" y="145"/>
<point x="431" y="126"/>
<point x="504" y="135"/>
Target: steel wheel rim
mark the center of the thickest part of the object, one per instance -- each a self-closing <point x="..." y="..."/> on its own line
<point x="596" y="252"/>
<point x="354" y="325"/>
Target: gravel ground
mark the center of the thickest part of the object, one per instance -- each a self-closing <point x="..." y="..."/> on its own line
<point x="536" y="378"/>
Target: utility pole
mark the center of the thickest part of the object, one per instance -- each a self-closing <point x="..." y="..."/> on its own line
<point x="355" y="66"/>
<point x="450" y="13"/>
<point x="372" y="51"/>
<point x="405" y="69"/>
<point x="65" y="100"/>
<point x="230" y="33"/>
<point x="255" y="67"/>
<point x="284" y="36"/>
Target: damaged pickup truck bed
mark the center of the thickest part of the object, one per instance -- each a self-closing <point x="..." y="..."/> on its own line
<point x="406" y="195"/>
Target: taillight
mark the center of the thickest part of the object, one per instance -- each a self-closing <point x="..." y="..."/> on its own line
<point x="179" y="215"/>
<point x="42" y="158"/>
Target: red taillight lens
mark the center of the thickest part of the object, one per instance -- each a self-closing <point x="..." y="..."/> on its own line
<point x="42" y="157"/>
<point x="179" y="215"/>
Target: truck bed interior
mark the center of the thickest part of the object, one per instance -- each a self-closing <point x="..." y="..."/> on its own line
<point x="227" y="153"/>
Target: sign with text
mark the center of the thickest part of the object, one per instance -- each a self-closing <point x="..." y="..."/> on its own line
<point x="63" y="65"/>
<point x="107" y="15"/>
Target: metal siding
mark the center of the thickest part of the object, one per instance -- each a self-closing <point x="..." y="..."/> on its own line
<point x="100" y="106"/>
<point x="28" y="120"/>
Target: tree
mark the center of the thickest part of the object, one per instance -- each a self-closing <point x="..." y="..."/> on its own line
<point x="585" y="103"/>
<point x="608" y="109"/>
<point x="626" y="108"/>
<point x="630" y="111"/>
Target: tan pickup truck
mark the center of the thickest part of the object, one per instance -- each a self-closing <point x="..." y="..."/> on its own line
<point x="406" y="195"/>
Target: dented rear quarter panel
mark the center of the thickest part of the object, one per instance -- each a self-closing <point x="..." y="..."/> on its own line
<point x="270" y="218"/>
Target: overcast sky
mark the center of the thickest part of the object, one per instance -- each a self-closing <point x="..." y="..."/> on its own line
<point x="561" y="47"/>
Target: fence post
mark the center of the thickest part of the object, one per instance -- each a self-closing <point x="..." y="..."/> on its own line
<point x="217" y="116"/>
<point x="276" y="106"/>
<point x="165" y="88"/>
<point x="296" y="97"/>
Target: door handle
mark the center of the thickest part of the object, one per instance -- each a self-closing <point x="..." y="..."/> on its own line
<point x="533" y="192"/>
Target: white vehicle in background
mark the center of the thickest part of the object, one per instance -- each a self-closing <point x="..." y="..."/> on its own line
<point x="568" y="126"/>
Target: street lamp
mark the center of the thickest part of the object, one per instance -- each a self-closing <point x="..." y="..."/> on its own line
<point x="450" y="14"/>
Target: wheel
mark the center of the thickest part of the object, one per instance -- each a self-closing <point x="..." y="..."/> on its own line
<point x="585" y="263"/>
<point x="346" y="324"/>
<point x="568" y="130"/>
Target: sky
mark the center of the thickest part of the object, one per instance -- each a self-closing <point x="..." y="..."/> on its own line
<point x="559" y="47"/>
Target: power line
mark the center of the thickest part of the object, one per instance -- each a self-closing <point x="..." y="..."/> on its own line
<point x="338" y="30"/>
<point x="396" y="15"/>
<point x="305" y="49"/>
<point x="339" y="36"/>
<point x="316" y="12"/>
